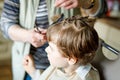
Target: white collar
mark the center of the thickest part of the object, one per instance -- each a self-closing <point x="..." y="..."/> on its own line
<point x="82" y="71"/>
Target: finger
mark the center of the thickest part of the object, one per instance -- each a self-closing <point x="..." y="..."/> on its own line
<point x="40" y="37"/>
<point x="73" y="5"/>
<point x="59" y="2"/>
<point x="45" y="37"/>
<point x="67" y="3"/>
<point x="38" y="40"/>
<point x="43" y="31"/>
<point x="30" y="58"/>
<point x="37" y="30"/>
<point x="25" y="61"/>
<point x="70" y="6"/>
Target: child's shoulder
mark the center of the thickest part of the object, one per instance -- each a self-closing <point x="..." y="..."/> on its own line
<point x="88" y="72"/>
<point x="93" y="74"/>
<point x="47" y="73"/>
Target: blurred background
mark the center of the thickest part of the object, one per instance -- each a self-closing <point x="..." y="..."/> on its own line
<point x="107" y="25"/>
<point x="5" y="55"/>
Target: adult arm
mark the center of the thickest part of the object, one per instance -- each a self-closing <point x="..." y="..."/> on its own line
<point x="13" y="30"/>
<point x="9" y="16"/>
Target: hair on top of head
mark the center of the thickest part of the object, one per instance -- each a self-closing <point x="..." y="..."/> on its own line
<point x="75" y="37"/>
<point x="77" y="20"/>
<point x="80" y="21"/>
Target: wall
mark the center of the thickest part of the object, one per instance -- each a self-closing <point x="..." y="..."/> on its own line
<point x="5" y="45"/>
<point x="107" y="62"/>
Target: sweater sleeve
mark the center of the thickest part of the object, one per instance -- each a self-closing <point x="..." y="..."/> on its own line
<point x="9" y="16"/>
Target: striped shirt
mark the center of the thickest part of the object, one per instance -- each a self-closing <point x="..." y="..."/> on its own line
<point x="10" y="16"/>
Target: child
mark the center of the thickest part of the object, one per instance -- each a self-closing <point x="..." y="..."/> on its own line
<point x="72" y="46"/>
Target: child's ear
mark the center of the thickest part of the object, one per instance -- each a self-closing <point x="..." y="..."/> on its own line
<point x="72" y="61"/>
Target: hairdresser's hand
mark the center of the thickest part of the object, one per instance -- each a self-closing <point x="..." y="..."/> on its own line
<point x="36" y="38"/>
<point x="67" y="4"/>
<point x="28" y="65"/>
